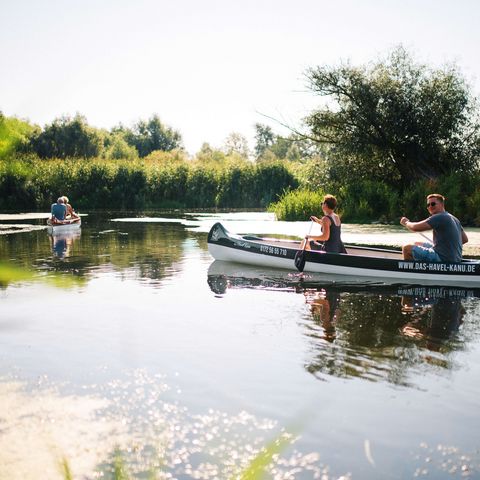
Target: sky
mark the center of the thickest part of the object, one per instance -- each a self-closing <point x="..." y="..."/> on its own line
<point x="208" y="68"/>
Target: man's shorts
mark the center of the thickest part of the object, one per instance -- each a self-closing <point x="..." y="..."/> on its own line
<point x="425" y="253"/>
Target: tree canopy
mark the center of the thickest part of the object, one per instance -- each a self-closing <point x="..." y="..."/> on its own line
<point x="395" y="119"/>
<point x="68" y="137"/>
<point x="14" y="134"/>
<point x="150" y="135"/>
<point x="236" y="143"/>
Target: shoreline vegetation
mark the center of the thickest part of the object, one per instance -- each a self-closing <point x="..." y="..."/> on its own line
<point x="170" y="180"/>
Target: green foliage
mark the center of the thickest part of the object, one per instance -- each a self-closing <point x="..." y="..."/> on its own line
<point x="148" y="136"/>
<point x="68" y="137"/>
<point x="12" y="274"/>
<point x="237" y="144"/>
<point x="65" y="469"/>
<point x="252" y="186"/>
<point x="163" y="179"/>
<point x="264" y="139"/>
<point x="313" y="175"/>
<point x="270" y="147"/>
<point x="117" y="148"/>
<point x="14" y="135"/>
<point x="257" y="469"/>
<point x="207" y="155"/>
<point x="270" y="180"/>
<point x="395" y="120"/>
<point x="368" y="200"/>
<point x="172" y="157"/>
<point x="298" y="205"/>
<point x="120" y="471"/>
<point x="129" y="187"/>
<point x="202" y="186"/>
<point x="93" y="183"/>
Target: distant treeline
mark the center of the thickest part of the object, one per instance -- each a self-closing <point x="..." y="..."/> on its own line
<point x="68" y="137"/>
<point x="73" y="137"/>
<point x="164" y="180"/>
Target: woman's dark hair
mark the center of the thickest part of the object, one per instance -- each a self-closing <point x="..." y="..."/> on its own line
<point x="330" y="200"/>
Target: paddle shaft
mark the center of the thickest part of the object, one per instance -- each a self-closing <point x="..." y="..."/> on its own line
<point x="424" y="236"/>
<point x="420" y="233"/>
<point x="309" y="231"/>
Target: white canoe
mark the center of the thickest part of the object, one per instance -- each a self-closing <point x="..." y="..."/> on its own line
<point x="67" y="227"/>
<point x="375" y="263"/>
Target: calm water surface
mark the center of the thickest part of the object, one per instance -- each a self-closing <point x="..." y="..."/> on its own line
<point x="188" y="367"/>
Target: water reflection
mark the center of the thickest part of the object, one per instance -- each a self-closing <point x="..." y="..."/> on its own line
<point x="434" y="317"/>
<point x="62" y="243"/>
<point x="324" y="307"/>
<point x="148" y="252"/>
<point x="374" y="332"/>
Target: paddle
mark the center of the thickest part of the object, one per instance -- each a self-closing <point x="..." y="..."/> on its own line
<point x="424" y="236"/>
<point x="420" y="233"/>
<point x="300" y="255"/>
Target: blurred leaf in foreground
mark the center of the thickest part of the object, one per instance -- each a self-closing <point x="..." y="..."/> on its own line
<point x="257" y="468"/>
<point x="9" y="274"/>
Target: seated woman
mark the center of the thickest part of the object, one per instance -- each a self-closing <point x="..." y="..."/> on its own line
<point x="331" y="229"/>
<point x="58" y="211"/>
<point x="71" y="215"/>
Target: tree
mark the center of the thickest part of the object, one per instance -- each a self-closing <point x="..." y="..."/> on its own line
<point x="68" y="137"/>
<point x="117" y="148"/>
<point x="264" y="138"/>
<point x="270" y="146"/>
<point x="147" y="136"/>
<point x="236" y="143"/>
<point x="14" y="135"/>
<point x="208" y="154"/>
<point x="395" y="120"/>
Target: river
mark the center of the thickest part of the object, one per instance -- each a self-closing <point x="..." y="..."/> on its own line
<point x="131" y="347"/>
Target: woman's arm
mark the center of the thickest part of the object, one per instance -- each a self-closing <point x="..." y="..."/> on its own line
<point x="325" y="223"/>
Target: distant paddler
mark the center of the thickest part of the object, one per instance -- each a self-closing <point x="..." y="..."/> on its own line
<point x="71" y="215"/>
<point x="58" y="211"/>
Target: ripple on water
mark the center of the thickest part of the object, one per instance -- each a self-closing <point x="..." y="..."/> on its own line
<point x="131" y="421"/>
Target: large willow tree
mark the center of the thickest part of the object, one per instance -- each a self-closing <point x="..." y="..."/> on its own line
<point x="395" y="120"/>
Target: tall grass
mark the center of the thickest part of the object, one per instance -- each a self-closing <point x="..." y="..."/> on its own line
<point x="32" y="184"/>
<point x="170" y="180"/>
<point x="298" y="205"/>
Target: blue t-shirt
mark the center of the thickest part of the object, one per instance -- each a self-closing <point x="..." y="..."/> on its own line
<point x="447" y="236"/>
<point x="59" y="210"/>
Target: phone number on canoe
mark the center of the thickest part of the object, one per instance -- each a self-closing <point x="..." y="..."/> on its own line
<point x="273" y="250"/>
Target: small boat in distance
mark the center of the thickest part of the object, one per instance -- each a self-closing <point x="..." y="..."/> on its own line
<point x="374" y="264"/>
<point x="54" y="228"/>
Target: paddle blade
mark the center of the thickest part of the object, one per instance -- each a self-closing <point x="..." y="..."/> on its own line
<point x="300" y="260"/>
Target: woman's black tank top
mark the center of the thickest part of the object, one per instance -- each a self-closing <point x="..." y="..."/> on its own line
<point x="334" y="244"/>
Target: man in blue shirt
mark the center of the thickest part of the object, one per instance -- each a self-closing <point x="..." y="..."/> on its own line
<point x="59" y="210"/>
<point x="448" y="234"/>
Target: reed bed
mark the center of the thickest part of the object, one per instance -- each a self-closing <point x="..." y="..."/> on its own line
<point x="33" y="184"/>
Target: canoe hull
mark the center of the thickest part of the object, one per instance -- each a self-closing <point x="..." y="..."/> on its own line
<point x="363" y="262"/>
<point x="58" y="229"/>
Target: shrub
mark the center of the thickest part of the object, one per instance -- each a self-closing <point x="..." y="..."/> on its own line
<point x="298" y="205"/>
